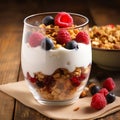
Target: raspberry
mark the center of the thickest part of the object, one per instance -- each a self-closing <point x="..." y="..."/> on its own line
<point x="83" y="37"/>
<point x="75" y="81"/>
<point x="35" y="39"/>
<point x="109" y="84"/>
<point x="82" y="76"/>
<point x="29" y="77"/>
<point x="63" y="19"/>
<point x="104" y="91"/>
<point x="63" y="36"/>
<point x="111" y="25"/>
<point x="98" y="101"/>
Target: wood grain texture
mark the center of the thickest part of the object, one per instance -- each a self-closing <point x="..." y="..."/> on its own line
<point x="10" y="43"/>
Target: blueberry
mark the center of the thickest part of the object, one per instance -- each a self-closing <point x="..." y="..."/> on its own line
<point x="48" y="20"/>
<point x="40" y="84"/>
<point x="47" y="44"/>
<point x="94" y="89"/>
<point x="110" y="97"/>
<point x="72" y="45"/>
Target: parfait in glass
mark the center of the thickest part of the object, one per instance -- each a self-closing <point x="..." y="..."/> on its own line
<point x="56" y="56"/>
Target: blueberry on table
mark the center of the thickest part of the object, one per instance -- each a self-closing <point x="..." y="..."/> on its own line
<point x="110" y="97"/>
<point x="47" y="44"/>
<point x="94" y="89"/>
<point x="48" y="20"/>
<point x="72" y="45"/>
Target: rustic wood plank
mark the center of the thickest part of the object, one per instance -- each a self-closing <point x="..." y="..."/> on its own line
<point x="25" y="113"/>
<point x="6" y="107"/>
<point x="10" y="43"/>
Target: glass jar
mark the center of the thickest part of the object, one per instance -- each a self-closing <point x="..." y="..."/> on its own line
<point x="56" y="60"/>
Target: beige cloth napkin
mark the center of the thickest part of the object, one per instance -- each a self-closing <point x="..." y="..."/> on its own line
<point x="20" y="91"/>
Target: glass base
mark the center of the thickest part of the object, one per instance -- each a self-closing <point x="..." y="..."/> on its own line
<point x="50" y="102"/>
<point x="57" y="103"/>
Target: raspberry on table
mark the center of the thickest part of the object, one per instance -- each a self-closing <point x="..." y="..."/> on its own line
<point x="109" y="84"/>
<point x="35" y="39"/>
<point x="83" y="37"/>
<point x="104" y="91"/>
<point x="63" y="36"/>
<point x="98" y="101"/>
<point x="63" y="19"/>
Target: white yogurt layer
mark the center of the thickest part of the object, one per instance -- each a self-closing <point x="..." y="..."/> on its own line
<point x="35" y="59"/>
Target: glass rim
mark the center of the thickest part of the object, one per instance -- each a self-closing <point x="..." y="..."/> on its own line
<point x="47" y="13"/>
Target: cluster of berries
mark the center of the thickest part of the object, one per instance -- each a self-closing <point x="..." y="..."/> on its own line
<point x="63" y="20"/>
<point x="76" y="80"/>
<point x="102" y="96"/>
<point x="47" y="82"/>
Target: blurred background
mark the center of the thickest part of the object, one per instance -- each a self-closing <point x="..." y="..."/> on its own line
<point x="13" y="12"/>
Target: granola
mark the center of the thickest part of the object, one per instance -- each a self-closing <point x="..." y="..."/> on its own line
<point x="62" y="84"/>
<point x="105" y="37"/>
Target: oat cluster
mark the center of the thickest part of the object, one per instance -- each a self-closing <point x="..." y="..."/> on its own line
<point x="52" y="32"/>
<point x="105" y="37"/>
<point x="62" y="84"/>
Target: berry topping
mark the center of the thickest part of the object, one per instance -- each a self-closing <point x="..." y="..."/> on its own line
<point x="110" y="97"/>
<point x="98" y="101"/>
<point x="104" y="91"/>
<point x="63" y="36"/>
<point x="83" y="37"/>
<point x="94" y="89"/>
<point x="29" y="77"/>
<point x="47" y="44"/>
<point x="35" y="39"/>
<point x="109" y="84"/>
<point x="48" y="20"/>
<point x="63" y="19"/>
<point x="72" y="45"/>
<point x="75" y="81"/>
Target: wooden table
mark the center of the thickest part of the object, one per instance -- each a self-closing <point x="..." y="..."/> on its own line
<point x="12" y="13"/>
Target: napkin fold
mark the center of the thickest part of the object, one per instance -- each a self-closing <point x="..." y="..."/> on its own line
<point x="80" y="110"/>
